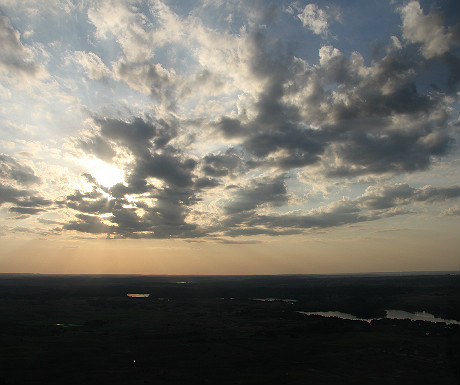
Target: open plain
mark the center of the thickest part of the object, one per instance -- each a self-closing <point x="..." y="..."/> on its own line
<point x="227" y="330"/>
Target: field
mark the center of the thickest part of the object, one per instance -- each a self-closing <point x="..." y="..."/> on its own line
<point x="217" y="330"/>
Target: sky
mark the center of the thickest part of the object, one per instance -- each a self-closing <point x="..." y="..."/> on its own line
<point x="229" y="137"/>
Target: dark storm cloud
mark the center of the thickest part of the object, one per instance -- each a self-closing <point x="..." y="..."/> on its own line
<point x="49" y="221"/>
<point x="202" y="183"/>
<point x="119" y="190"/>
<point x="171" y="206"/>
<point x="271" y="191"/>
<point x="373" y="205"/>
<point x="147" y="140"/>
<point x="99" y="147"/>
<point x="383" y="146"/>
<point x="384" y="152"/>
<point x="226" y="164"/>
<point x="92" y="202"/>
<point x="250" y="231"/>
<point x="355" y="110"/>
<point x="156" y="213"/>
<point x="25" y="210"/>
<point x="277" y="125"/>
<point x="359" y="111"/>
<point x="23" y="200"/>
<point x="88" y="224"/>
<point x="167" y="167"/>
<point x="431" y="194"/>
<point x="139" y="135"/>
<point x="401" y="98"/>
<point x="149" y="78"/>
<point x="251" y="223"/>
<point x="135" y="135"/>
<point x="452" y="63"/>
<point x="231" y="128"/>
<point x="403" y="194"/>
<point x="166" y="219"/>
<point x="337" y="214"/>
<point x="387" y="197"/>
<point x="10" y="169"/>
<point x="233" y="242"/>
<point x="13" y="56"/>
<point x="365" y="136"/>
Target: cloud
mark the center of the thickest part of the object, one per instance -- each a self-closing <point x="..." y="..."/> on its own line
<point x="238" y="109"/>
<point x="377" y="198"/>
<point x="451" y="212"/>
<point x="339" y="213"/>
<point x="376" y="121"/>
<point x="26" y="210"/>
<point x="271" y="192"/>
<point x="151" y="79"/>
<point x="93" y="202"/>
<point x="147" y="140"/>
<point x="14" y="57"/>
<point x="138" y="135"/>
<point x="252" y="231"/>
<point x="163" y="217"/>
<point x="350" y="118"/>
<point x="429" y="194"/>
<point x="374" y="204"/>
<point x="223" y="164"/>
<point x="167" y="167"/>
<point x="88" y="224"/>
<point x="23" y="201"/>
<point x="315" y="19"/>
<point x="202" y="183"/>
<point x="10" y="169"/>
<point x="428" y="30"/>
<point x="160" y="184"/>
<point x="233" y="242"/>
<point x="92" y="65"/>
<point x="15" y="176"/>
<point x="97" y="146"/>
<point x="116" y="18"/>
<point x="340" y="117"/>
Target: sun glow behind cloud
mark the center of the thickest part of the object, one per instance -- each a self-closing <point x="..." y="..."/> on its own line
<point x="105" y="174"/>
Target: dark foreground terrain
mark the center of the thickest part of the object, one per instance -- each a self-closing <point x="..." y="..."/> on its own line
<point x="212" y="330"/>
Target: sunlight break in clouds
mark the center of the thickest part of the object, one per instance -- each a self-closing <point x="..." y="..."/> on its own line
<point x="215" y="127"/>
<point x="105" y="174"/>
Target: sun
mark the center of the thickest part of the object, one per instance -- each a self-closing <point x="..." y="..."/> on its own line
<point x="104" y="173"/>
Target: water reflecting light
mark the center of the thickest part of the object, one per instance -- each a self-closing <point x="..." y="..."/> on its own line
<point x="390" y="314"/>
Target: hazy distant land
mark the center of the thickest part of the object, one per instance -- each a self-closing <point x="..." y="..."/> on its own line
<point x="85" y="329"/>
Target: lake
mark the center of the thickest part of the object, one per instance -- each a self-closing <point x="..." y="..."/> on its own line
<point x="390" y="314"/>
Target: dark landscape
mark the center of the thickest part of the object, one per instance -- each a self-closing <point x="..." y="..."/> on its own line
<point x="84" y="329"/>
